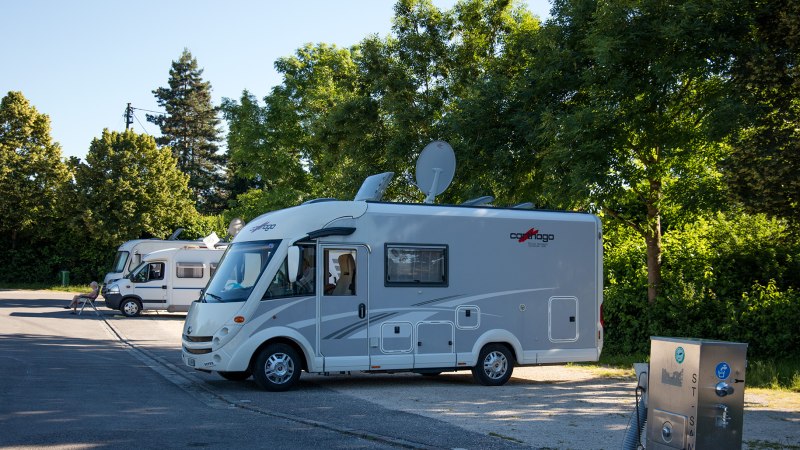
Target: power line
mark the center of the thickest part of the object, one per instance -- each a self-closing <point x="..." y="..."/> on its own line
<point x="140" y="124"/>
<point x="150" y="111"/>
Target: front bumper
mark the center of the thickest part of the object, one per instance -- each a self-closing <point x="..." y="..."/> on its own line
<point x="113" y="300"/>
<point x="201" y="361"/>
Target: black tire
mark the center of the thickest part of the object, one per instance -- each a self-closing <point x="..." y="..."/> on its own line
<point x="236" y="376"/>
<point x="277" y="368"/>
<point x="495" y="365"/>
<point x="130" y="307"/>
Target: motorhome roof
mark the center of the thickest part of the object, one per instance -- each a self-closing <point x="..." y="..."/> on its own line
<point x="296" y="222"/>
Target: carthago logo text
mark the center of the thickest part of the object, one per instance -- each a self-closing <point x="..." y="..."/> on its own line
<point x="533" y="237"/>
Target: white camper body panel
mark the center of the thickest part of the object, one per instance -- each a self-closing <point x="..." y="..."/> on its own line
<point x="432" y="286"/>
<point x="130" y="254"/>
<point x="169" y="279"/>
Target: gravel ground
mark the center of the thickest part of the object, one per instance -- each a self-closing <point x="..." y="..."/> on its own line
<point x="554" y="407"/>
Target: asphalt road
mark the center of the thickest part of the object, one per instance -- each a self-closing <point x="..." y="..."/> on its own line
<point x="69" y="381"/>
<point x="75" y="381"/>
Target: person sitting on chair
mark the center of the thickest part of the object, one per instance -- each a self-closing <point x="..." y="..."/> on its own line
<point x="91" y="296"/>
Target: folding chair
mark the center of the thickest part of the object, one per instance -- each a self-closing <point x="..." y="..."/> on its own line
<point x="84" y="299"/>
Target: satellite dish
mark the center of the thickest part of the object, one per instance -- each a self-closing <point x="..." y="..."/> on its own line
<point x="373" y="187"/>
<point x="235" y="226"/>
<point x="435" y="168"/>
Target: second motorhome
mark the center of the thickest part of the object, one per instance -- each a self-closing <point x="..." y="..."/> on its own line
<point x="169" y="279"/>
<point x="130" y="253"/>
<point x="339" y="286"/>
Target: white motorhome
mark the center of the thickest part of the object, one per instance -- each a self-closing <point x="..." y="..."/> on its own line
<point x="129" y="255"/>
<point x="339" y="286"/>
<point x="169" y="279"/>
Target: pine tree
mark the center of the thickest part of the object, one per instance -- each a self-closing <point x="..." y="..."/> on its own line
<point x="191" y="128"/>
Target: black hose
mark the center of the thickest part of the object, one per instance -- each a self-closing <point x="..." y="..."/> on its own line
<point x="633" y="434"/>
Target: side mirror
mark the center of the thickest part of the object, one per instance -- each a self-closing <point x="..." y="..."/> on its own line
<point x="294" y="262"/>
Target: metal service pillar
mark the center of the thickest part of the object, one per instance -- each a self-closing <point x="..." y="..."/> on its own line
<point x="696" y="394"/>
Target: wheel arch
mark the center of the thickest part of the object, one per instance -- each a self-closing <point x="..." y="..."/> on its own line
<point x="501" y="337"/>
<point x="131" y="296"/>
<point x="280" y="340"/>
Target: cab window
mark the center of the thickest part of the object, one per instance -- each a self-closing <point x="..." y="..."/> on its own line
<point x="148" y="272"/>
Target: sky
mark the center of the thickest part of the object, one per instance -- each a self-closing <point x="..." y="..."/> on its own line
<point x="81" y="62"/>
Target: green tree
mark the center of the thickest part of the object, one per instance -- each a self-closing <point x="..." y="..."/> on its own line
<point x="191" y="128"/>
<point x="267" y="163"/>
<point x="32" y="184"/>
<point x="128" y="189"/>
<point x="764" y="168"/>
<point x="639" y="104"/>
<point x="492" y="47"/>
<point x="31" y="170"/>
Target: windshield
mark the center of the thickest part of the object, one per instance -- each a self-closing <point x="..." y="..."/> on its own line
<point x="239" y="270"/>
<point x="119" y="262"/>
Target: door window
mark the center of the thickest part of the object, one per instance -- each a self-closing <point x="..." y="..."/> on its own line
<point x="148" y="272"/>
<point x="340" y="270"/>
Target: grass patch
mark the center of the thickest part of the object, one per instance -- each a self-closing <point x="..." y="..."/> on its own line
<point x="45" y="287"/>
<point x="766" y="445"/>
<point x="767" y="374"/>
<point x="613" y="366"/>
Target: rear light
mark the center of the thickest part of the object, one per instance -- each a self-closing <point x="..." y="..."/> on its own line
<point x="602" y="319"/>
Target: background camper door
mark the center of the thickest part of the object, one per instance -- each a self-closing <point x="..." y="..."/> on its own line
<point x="150" y="284"/>
<point x="344" y="307"/>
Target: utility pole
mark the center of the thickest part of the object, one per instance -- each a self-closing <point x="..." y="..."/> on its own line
<point x="128" y="117"/>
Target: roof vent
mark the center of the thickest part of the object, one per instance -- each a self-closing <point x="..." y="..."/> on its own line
<point x="373" y="188"/>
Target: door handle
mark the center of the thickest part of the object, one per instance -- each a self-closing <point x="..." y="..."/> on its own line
<point x="164" y="286"/>
<point x="362" y="311"/>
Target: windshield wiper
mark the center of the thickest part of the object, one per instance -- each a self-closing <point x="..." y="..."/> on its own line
<point x="215" y="297"/>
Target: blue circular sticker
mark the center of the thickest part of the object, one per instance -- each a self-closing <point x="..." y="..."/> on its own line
<point x="723" y="370"/>
<point x="680" y="354"/>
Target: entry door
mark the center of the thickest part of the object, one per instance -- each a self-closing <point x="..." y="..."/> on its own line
<point x="151" y="285"/>
<point x="344" y="307"/>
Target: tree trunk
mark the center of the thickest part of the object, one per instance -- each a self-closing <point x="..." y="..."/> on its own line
<point x="653" y="265"/>
<point x="653" y="239"/>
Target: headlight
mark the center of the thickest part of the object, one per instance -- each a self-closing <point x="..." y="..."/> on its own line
<point x="113" y="289"/>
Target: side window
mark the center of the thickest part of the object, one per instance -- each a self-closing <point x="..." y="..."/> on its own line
<point x="212" y="269"/>
<point x="340" y="270"/>
<point x="305" y="284"/>
<point x="416" y="265"/>
<point x="306" y="281"/>
<point x="149" y="272"/>
<point x="189" y="270"/>
<point x="156" y="271"/>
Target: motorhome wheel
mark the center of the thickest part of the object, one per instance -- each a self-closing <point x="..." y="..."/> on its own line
<point x="236" y="376"/>
<point x="130" y="307"/>
<point x="495" y="365"/>
<point x="277" y="367"/>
